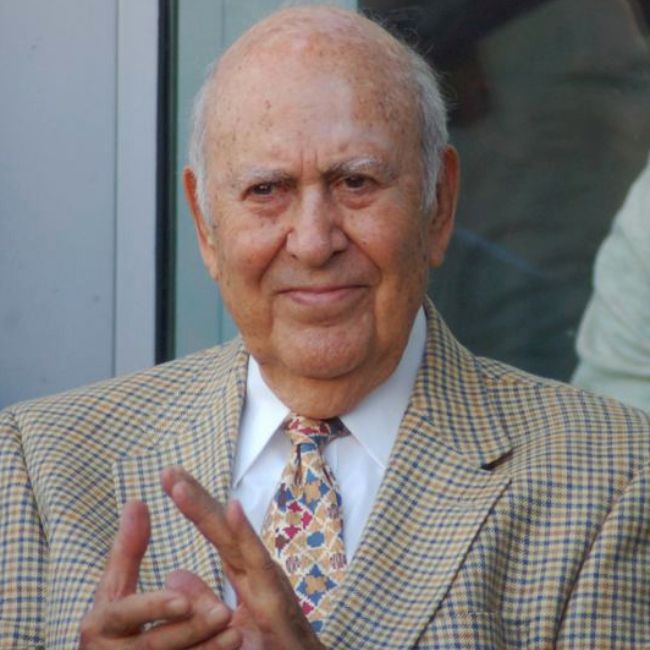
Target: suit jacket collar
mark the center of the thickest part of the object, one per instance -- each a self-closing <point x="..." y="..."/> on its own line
<point x="433" y="501"/>
<point x="451" y="393"/>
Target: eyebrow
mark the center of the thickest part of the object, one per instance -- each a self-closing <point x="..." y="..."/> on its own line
<point x="256" y="175"/>
<point x="351" y="166"/>
<point x="361" y="164"/>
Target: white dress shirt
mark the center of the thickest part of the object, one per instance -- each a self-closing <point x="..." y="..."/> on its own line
<point x="358" y="461"/>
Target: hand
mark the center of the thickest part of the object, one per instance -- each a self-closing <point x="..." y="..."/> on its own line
<point x="268" y="615"/>
<point x="185" y="614"/>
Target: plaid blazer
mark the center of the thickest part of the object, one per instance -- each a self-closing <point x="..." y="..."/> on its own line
<point x="513" y="513"/>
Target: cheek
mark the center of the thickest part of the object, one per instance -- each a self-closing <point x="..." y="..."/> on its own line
<point x="396" y="244"/>
<point x="247" y="248"/>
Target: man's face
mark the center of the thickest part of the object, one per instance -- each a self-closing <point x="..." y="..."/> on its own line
<point x="319" y="243"/>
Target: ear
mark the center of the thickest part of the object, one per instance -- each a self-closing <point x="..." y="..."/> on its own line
<point x="204" y="228"/>
<point x="441" y="224"/>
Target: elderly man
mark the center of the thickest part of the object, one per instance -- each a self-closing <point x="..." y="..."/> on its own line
<point x="399" y="492"/>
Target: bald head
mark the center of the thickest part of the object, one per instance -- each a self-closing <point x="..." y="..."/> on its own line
<point x="328" y="29"/>
<point x="322" y="39"/>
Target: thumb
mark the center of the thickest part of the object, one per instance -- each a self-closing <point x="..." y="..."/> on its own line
<point x="196" y="590"/>
<point x="187" y="583"/>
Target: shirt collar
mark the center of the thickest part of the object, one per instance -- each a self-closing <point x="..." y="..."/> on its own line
<point x="374" y="422"/>
<point x="262" y="415"/>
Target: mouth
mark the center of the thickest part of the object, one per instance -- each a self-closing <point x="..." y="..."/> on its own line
<point x="324" y="296"/>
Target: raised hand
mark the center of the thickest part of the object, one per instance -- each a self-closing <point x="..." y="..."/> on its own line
<point x="268" y="616"/>
<point x="187" y="614"/>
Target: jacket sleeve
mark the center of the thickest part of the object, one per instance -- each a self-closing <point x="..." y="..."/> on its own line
<point x="609" y="606"/>
<point x="23" y="548"/>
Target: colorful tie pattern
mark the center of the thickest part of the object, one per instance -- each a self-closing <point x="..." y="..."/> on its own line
<point x="303" y="528"/>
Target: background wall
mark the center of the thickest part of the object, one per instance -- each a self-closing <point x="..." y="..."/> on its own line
<point x="77" y="192"/>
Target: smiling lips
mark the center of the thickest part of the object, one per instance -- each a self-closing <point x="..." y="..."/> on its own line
<point x="328" y="296"/>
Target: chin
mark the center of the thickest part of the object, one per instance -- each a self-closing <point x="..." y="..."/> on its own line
<point x="324" y="359"/>
<point x="316" y="367"/>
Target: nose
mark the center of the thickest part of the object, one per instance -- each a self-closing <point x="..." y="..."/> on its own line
<point x="316" y="233"/>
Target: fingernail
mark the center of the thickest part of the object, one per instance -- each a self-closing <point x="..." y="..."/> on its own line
<point x="217" y="614"/>
<point x="177" y="606"/>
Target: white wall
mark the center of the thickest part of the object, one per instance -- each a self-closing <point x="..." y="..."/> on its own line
<point x="66" y="199"/>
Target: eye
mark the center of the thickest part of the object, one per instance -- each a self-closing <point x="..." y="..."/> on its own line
<point x="267" y="195"/>
<point x="265" y="192"/>
<point x="355" y="182"/>
<point x="262" y="189"/>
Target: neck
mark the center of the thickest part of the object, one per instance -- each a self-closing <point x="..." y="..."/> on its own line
<point x="327" y="397"/>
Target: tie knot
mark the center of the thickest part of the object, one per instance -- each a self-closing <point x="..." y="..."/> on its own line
<point x="306" y="431"/>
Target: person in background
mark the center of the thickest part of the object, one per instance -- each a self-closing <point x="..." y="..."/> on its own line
<point x="613" y="342"/>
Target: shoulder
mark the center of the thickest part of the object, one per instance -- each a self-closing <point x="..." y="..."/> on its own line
<point x="162" y="380"/>
<point x="562" y="425"/>
<point x="530" y="397"/>
<point x="63" y="448"/>
<point x="482" y="405"/>
<point x="116" y="411"/>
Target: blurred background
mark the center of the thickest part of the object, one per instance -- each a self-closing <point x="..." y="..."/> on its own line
<point x="99" y="272"/>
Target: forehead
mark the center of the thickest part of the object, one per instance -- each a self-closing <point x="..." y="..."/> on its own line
<point x="317" y="37"/>
<point x="307" y="81"/>
<point x="301" y="91"/>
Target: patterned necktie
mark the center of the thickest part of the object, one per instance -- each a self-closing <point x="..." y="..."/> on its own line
<point x="303" y="528"/>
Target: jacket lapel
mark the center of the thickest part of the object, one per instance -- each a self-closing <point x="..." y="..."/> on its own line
<point x="198" y="431"/>
<point x="433" y="502"/>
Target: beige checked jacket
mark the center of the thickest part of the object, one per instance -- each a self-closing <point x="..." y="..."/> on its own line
<point x="514" y="512"/>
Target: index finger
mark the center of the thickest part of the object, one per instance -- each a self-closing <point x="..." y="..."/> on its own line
<point x="259" y="582"/>
<point x="120" y="576"/>
<point x="237" y="544"/>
